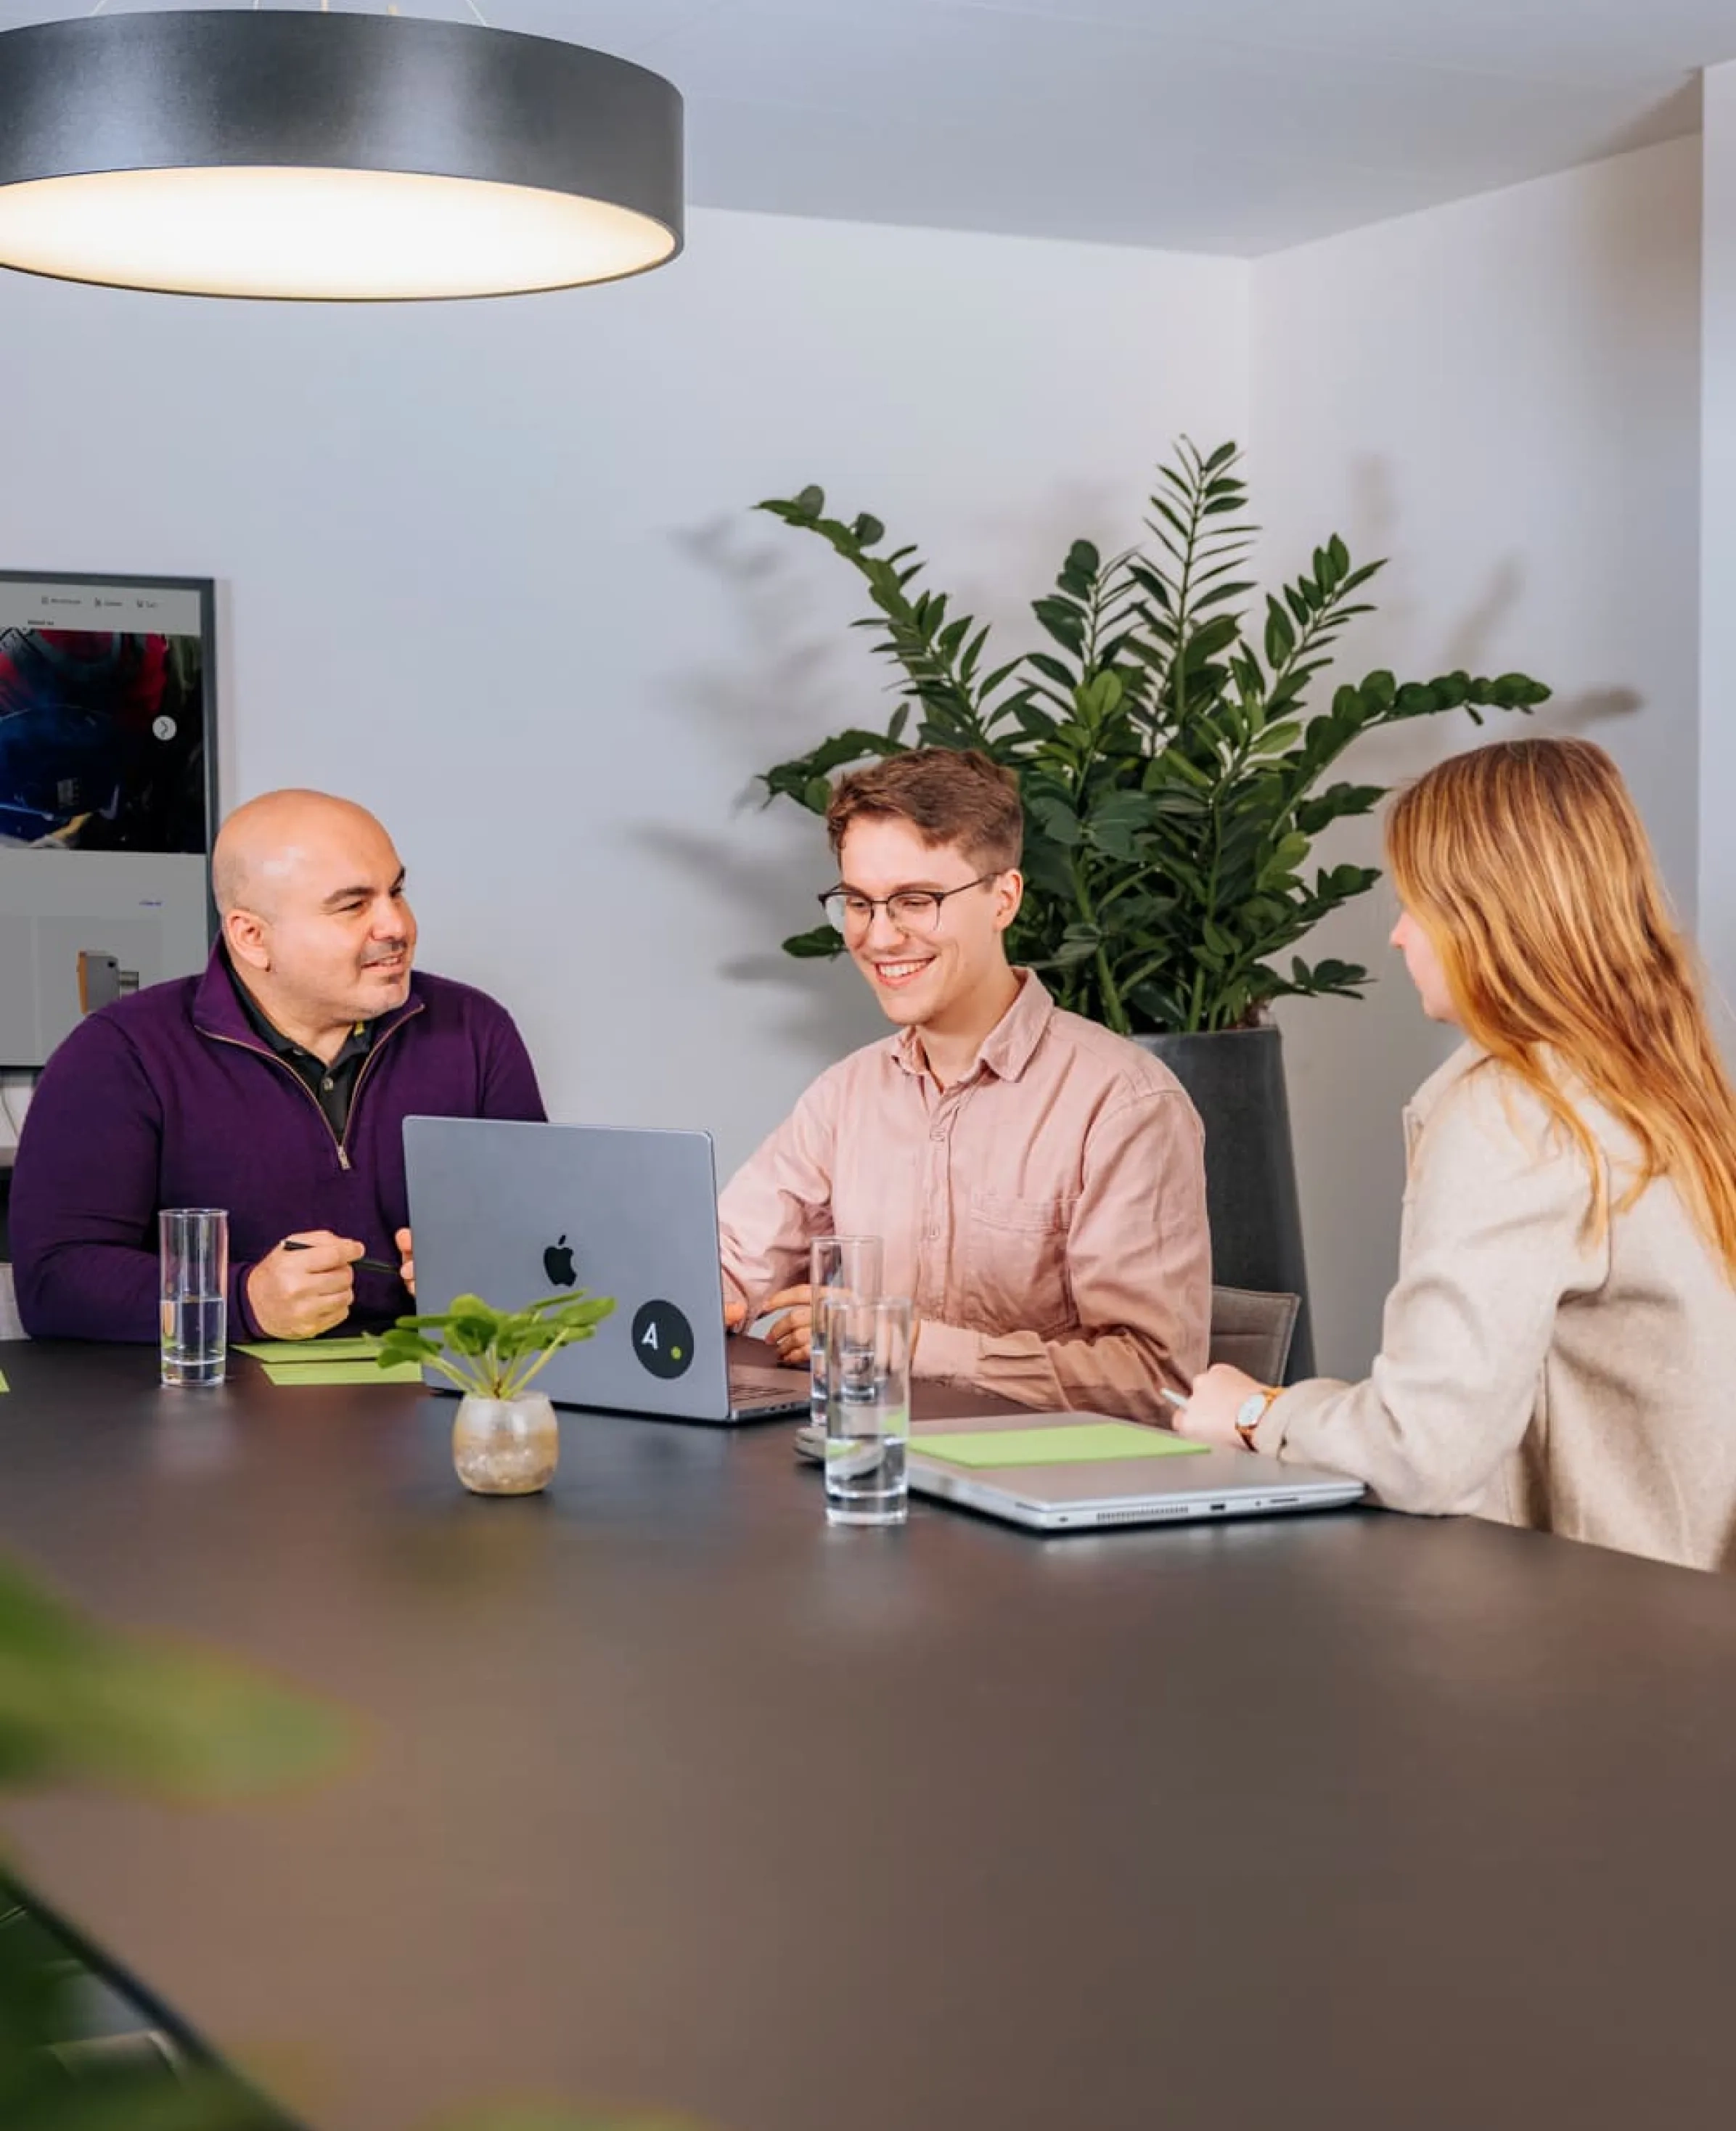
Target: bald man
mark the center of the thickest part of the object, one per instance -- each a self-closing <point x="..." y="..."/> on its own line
<point x="276" y="1084"/>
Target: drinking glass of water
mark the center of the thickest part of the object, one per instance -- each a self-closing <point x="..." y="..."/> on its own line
<point x="194" y="1249"/>
<point x="868" y="1408"/>
<point x="838" y="1266"/>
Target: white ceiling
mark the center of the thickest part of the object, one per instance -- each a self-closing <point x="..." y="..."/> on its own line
<point x="1225" y="126"/>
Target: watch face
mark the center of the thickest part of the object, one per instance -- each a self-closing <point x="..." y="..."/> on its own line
<point x="1252" y="1408"/>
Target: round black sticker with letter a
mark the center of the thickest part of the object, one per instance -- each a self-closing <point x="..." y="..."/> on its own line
<point x="662" y="1338"/>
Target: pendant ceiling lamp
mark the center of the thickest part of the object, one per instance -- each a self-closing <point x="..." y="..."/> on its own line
<point x="225" y="152"/>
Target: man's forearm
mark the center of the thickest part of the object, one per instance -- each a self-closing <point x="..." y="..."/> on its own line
<point x="90" y="1291"/>
<point x="1112" y="1371"/>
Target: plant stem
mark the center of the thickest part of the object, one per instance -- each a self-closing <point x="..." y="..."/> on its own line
<point x="527" y="1377"/>
<point x="465" y="1382"/>
<point x="1114" y="1014"/>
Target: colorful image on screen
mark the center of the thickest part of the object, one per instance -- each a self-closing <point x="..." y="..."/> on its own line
<point x="102" y="740"/>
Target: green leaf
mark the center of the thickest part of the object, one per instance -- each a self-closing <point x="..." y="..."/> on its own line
<point x="402" y="1346"/>
<point x="1064" y="622"/>
<point x="1078" y="943"/>
<point x="1100" y="698"/>
<point x="79" y="1702"/>
<point x="822" y="944"/>
<point x="1280" y="638"/>
<point x="1057" y="820"/>
<point x="1035" y="721"/>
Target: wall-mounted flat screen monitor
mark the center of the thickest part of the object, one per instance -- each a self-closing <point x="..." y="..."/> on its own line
<point x="107" y="794"/>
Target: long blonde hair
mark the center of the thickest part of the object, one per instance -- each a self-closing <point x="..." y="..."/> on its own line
<point x="1526" y="865"/>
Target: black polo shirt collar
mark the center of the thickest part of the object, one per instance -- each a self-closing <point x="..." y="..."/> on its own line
<point x="332" y="1085"/>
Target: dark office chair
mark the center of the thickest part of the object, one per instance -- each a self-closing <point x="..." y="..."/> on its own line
<point x="1252" y="1332"/>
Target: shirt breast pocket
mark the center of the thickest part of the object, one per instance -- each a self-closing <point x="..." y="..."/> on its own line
<point x="1017" y="1256"/>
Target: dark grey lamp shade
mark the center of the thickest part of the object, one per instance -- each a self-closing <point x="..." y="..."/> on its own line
<point x="347" y="157"/>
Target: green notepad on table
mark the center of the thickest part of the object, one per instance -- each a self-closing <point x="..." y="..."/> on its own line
<point x="1093" y="1443"/>
<point x="293" y="1375"/>
<point x="277" y="1352"/>
<point x="304" y="1363"/>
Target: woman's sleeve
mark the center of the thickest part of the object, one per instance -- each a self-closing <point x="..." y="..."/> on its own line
<point x="1496" y="1237"/>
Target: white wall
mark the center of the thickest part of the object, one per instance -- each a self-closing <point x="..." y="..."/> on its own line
<point x="489" y="569"/>
<point x="1503" y="396"/>
<point x="1717" y="883"/>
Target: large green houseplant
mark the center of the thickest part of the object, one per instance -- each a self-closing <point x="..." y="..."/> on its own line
<point x="1173" y="788"/>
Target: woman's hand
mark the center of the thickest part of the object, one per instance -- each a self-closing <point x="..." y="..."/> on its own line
<point x="1219" y="1395"/>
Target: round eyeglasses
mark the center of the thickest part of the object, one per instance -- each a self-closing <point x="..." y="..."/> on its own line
<point x="910" y="909"/>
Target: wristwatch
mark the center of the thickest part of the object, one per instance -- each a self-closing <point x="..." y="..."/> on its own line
<point x="1251" y="1412"/>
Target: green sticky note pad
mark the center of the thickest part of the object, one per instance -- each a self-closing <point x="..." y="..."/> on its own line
<point x="361" y="1349"/>
<point x="292" y="1374"/>
<point x="1094" y="1443"/>
<point x="4" y="1386"/>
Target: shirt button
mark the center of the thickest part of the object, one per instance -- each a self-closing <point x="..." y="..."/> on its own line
<point x="328" y="1084"/>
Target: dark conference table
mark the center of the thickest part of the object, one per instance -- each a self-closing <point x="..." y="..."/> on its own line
<point x="672" y="1797"/>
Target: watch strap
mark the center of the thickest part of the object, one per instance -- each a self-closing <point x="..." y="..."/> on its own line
<point x="1254" y="1409"/>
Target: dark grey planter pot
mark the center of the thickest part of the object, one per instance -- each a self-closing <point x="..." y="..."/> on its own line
<point x="1236" y="1081"/>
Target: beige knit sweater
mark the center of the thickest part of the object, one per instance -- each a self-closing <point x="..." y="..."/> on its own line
<point x="1530" y="1370"/>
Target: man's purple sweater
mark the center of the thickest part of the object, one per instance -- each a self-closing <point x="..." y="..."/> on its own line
<point x="169" y="1099"/>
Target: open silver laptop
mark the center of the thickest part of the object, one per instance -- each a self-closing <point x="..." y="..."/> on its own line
<point x="1183" y="1487"/>
<point x="512" y="1212"/>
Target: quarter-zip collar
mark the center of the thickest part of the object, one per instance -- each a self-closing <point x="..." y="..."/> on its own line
<point x="217" y="1011"/>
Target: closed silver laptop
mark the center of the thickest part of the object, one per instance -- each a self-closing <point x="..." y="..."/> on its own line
<point x="1186" y="1486"/>
<point x="513" y="1212"/>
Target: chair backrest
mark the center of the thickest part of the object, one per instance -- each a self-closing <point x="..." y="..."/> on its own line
<point x="10" y="1328"/>
<point x="1252" y="1332"/>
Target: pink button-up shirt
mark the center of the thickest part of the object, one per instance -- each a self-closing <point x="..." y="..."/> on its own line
<point x="1046" y="1214"/>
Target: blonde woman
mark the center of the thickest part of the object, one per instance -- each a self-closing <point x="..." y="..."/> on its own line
<point x="1560" y="1350"/>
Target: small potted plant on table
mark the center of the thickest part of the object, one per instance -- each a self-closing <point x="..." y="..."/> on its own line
<point x="505" y="1439"/>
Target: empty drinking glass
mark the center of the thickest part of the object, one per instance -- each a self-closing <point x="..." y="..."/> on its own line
<point x="193" y="1257"/>
<point x="868" y="1412"/>
<point x="838" y="1266"/>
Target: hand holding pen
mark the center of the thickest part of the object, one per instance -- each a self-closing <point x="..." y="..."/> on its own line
<point x="308" y="1284"/>
<point x="361" y="1265"/>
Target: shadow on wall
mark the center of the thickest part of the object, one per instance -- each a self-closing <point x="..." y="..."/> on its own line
<point x="805" y="672"/>
<point x="765" y="866"/>
<point x="1352" y="1066"/>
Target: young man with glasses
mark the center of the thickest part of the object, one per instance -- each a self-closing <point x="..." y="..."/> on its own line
<point x="1039" y="1183"/>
